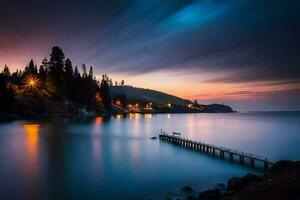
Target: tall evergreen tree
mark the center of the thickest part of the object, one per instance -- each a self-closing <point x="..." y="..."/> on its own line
<point x="56" y="72"/>
<point x="30" y="68"/>
<point x="69" y="79"/>
<point x="76" y="73"/>
<point x="45" y="64"/>
<point x="84" y="74"/>
<point x="104" y="91"/>
<point x="91" y="74"/>
<point x="6" y="71"/>
<point x="6" y="95"/>
<point x="68" y="68"/>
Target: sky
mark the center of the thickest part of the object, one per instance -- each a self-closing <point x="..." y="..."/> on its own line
<point x="243" y="53"/>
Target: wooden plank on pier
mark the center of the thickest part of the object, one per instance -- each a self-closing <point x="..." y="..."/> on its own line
<point x="212" y="149"/>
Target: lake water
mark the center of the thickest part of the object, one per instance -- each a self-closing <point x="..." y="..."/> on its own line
<point x="115" y="159"/>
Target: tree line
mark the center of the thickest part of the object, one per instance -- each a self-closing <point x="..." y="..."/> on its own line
<point x="56" y="79"/>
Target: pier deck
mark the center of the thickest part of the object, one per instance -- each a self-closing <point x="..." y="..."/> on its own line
<point x="216" y="151"/>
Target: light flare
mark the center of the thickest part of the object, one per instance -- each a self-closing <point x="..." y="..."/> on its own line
<point x="32" y="82"/>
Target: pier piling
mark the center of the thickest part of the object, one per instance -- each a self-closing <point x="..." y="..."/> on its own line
<point x="212" y="150"/>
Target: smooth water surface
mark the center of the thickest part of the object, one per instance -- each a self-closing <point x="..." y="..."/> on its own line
<point x="116" y="159"/>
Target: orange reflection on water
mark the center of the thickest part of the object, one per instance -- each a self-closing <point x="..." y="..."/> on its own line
<point x="97" y="125"/>
<point x="119" y="116"/>
<point x="32" y="131"/>
<point x="147" y="116"/>
<point x="32" y="134"/>
<point x="134" y="116"/>
<point x="98" y="120"/>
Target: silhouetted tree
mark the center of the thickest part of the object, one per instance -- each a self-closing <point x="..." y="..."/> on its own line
<point x="45" y="64"/>
<point x="6" y="71"/>
<point x="55" y="80"/>
<point x="91" y="74"/>
<point x="42" y="72"/>
<point x="104" y="91"/>
<point x="6" y="95"/>
<point x="84" y="74"/>
<point x="69" y="79"/>
<point x="16" y="77"/>
<point x="30" y="69"/>
<point x="76" y="73"/>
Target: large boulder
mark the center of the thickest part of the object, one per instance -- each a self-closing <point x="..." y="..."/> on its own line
<point x="213" y="194"/>
<point x="187" y="189"/>
<point x="280" y="166"/>
<point x="236" y="184"/>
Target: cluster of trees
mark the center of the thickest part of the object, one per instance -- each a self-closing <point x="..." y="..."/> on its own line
<point x="55" y="79"/>
<point x="6" y="94"/>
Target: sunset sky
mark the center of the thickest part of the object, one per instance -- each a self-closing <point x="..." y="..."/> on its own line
<point x="244" y="53"/>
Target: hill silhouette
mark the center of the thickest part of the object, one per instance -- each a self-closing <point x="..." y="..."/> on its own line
<point x="142" y="95"/>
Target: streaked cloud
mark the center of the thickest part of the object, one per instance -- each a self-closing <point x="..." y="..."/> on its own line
<point x="216" y="44"/>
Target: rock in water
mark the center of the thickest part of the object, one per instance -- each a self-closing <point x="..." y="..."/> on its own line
<point x="236" y="184"/>
<point x="191" y="198"/>
<point x="187" y="189"/>
<point x="221" y="186"/>
<point x="214" y="194"/>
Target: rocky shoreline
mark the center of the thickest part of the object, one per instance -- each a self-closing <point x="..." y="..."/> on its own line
<point x="282" y="181"/>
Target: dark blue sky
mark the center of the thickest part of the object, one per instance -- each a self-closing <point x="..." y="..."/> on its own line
<point x="245" y="53"/>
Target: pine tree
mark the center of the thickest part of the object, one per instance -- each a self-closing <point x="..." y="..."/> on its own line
<point x="6" y="95"/>
<point x="30" y="69"/>
<point x="84" y="74"/>
<point x="45" y="64"/>
<point x="56" y="73"/>
<point x="76" y="73"/>
<point x="104" y="91"/>
<point x="69" y="79"/>
<point x="91" y="74"/>
<point x="6" y="71"/>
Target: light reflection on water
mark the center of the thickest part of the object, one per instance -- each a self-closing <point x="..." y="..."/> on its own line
<point x="113" y="158"/>
<point x="31" y="131"/>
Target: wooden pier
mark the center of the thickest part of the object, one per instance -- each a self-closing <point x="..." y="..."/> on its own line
<point x="216" y="151"/>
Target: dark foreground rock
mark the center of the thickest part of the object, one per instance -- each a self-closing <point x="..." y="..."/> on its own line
<point x="236" y="184"/>
<point x="214" y="194"/>
<point x="282" y="181"/>
<point x="187" y="189"/>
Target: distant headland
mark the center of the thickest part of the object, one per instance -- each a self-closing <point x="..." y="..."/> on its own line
<point x="56" y="88"/>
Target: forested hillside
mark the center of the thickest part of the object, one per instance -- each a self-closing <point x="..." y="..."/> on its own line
<point x="134" y="94"/>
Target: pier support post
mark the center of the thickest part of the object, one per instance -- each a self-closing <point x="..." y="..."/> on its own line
<point x="241" y="159"/>
<point x="266" y="167"/>
<point x="231" y="156"/>
<point x="252" y="162"/>
<point x="222" y="154"/>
